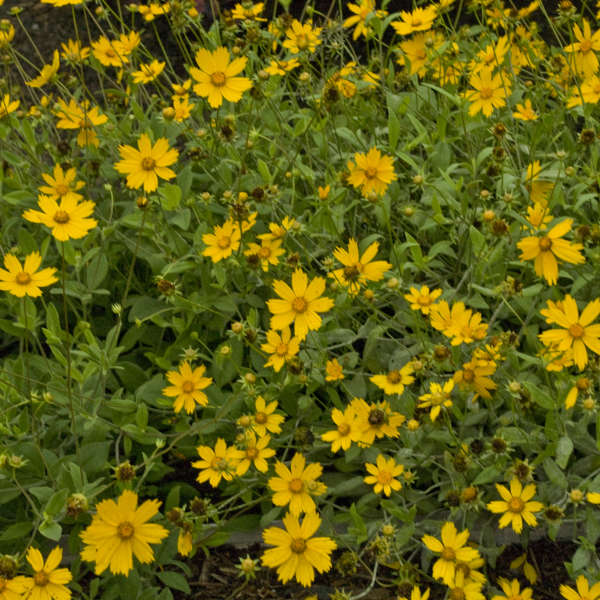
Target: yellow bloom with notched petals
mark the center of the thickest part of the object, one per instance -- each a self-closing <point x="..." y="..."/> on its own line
<point x="186" y="387"/>
<point x="584" y="591"/>
<point x="148" y="72"/>
<point x="358" y="20"/>
<point x="265" y="418"/>
<point x="516" y="505"/>
<point x="422" y="299"/>
<point x="525" y="112"/>
<point x="490" y="92"/>
<point x="382" y="476"/>
<point x="217" y="464"/>
<point x="256" y="453"/>
<point x="437" y="398"/>
<point x="48" y="582"/>
<point x="281" y="348"/>
<point x="512" y="590"/>
<point x="347" y="430"/>
<point x="62" y="185"/>
<point x="333" y="370"/>
<point x="7" y="105"/>
<point x="420" y="19"/>
<point x="25" y="280"/>
<point x="223" y="241"/>
<point x="82" y="117"/>
<point x="47" y="72"/>
<point x="372" y="172"/>
<point x="301" y="37"/>
<point x="16" y="587"/>
<point x="376" y="421"/>
<point x="394" y="381"/>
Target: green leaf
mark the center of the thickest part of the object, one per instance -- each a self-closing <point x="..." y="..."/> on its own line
<point x="170" y="196"/>
<point x="57" y="502"/>
<point x="564" y="447"/>
<point x="96" y="271"/>
<point x="51" y="530"/>
<point x="16" y="531"/>
<point x="555" y="475"/>
<point x="489" y="474"/>
<point x="174" y="580"/>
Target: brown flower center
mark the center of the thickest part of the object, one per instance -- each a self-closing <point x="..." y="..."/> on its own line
<point x="224" y="242"/>
<point x="281" y="350"/>
<point x="23" y="278"/>
<point x="299" y="305"/>
<point x="545" y="244"/>
<point x="187" y="387"/>
<point x="376" y="417"/>
<point x="351" y="273"/>
<point x="576" y="330"/>
<point x="125" y="530"/>
<point x="218" y="79"/>
<point x="41" y="578"/>
<point x="148" y="163"/>
<point x="296" y="485"/>
<point x="448" y="554"/>
<point x="61" y="217"/>
<point x="298" y="546"/>
<point x="486" y="93"/>
<point x="370" y="172"/>
<point x="394" y="377"/>
<point x="261" y="418"/>
<point x="468" y="375"/>
<point x="516" y="505"/>
<point x="61" y="189"/>
<point x="343" y="429"/>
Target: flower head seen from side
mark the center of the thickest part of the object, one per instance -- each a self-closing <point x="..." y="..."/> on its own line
<point x="297" y="554"/>
<point x="525" y="112"/>
<point x="25" y="280"/>
<point x="119" y="531"/>
<point x="583" y="592"/>
<point x="394" y="381"/>
<point x="218" y="463"/>
<point x="7" y="105"/>
<point x="516" y="504"/>
<point x="382" y="475"/>
<point x="148" y="72"/>
<point x="186" y="387"/>
<point x="371" y="172"/>
<point x="437" y="399"/>
<point x="281" y="347"/>
<point x="145" y="165"/>
<point x="576" y="331"/>
<point x="67" y="220"/>
<point x="47" y="72"/>
<point x="216" y="77"/>
<point x="451" y="549"/>
<point x="299" y="304"/>
<point x="358" y="269"/>
<point x="296" y="486"/>
<point x="422" y="299"/>
<point x="545" y="249"/>
<point x="224" y="240"/>
<point x="490" y="92"/>
<point x="48" y="582"/>
<point x="512" y="590"/>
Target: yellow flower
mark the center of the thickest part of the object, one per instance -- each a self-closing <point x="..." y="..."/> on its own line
<point x="525" y="112"/>
<point x="490" y="91"/>
<point x="187" y="386"/>
<point x="6" y="35"/>
<point x="299" y="304"/>
<point x="333" y="370"/>
<point x="62" y="185"/>
<point x="128" y="42"/>
<point x="588" y="92"/>
<point x="297" y="553"/>
<point x="420" y="19"/>
<point x="216" y="76"/>
<point x="539" y="190"/>
<point x="376" y="421"/>
<point x="528" y="569"/>
<point x="119" y="530"/>
<point x="461" y="587"/>
<point x="278" y="231"/>
<point x="281" y="67"/>
<point x="383" y="475"/>
<point x="323" y="192"/>
<point x="296" y="485"/>
<point x="153" y="10"/>
<point x="183" y="108"/>
<point x="422" y="299"/>
<point x="280" y="347"/>
<point x="15" y="588"/>
<point x="512" y="590"/>
<point x="576" y="331"/>
<point x="582" y="384"/>
<point x="74" y="52"/>
<point x="438" y="398"/>
<point x="347" y="430"/>
<point x="538" y="216"/>
<point x="372" y="172"/>
<point x="148" y="72"/>
<point x="474" y="377"/>
<point x="361" y="11"/>
<point x="109" y="53"/>
<point x="394" y="381"/>
<point x="144" y="166"/>
<point x="419" y="50"/>
<point x="583" y="50"/>
<point x="268" y="252"/>
<point x="7" y="106"/>
<point x="265" y="418"/>
<point x="223" y="241"/>
<point x="82" y="117"/>
<point x="46" y="74"/>
<point x="184" y="542"/>
<point x="451" y="549"/>
<point x="217" y="464"/>
<point x="243" y="12"/>
<point x="358" y="269"/>
<point x="302" y="37"/>
<point x="516" y="505"/>
<point x="24" y="281"/>
<point x="491" y="56"/>
<point x="48" y="582"/>
<point x="255" y="451"/>
<point x="415" y="594"/>
<point x="584" y="591"/>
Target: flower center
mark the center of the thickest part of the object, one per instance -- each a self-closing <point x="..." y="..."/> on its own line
<point x="376" y="417"/>
<point x="187" y="387"/>
<point x="299" y="305"/>
<point x="218" y="463"/>
<point x="583" y="384"/>
<point x="264" y="252"/>
<point x="576" y="330"/>
<point x="468" y="375"/>
<point x="545" y="244"/>
<point x="298" y="546"/>
<point x="457" y="594"/>
<point x="41" y="578"/>
<point x="260" y="418"/>
<point x="394" y="377"/>
<point x="585" y="46"/>
<point x="448" y="554"/>
<point x="301" y="41"/>
<point x="486" y="93"/>
<point x="296" y="485"/>
<point x="417" y="22"/>
<point x="516" y="505"/>
<point x="23" y="278"/>
<point x="344" y="429"/>
<point x="437" y="398"/>
<point x="281" y="350"/>
<point x="384" y="477"/>
<point x="224" y="242"/>
<point x="61" y="189"/>
<point x="125" y="530"/>
<point x="110" y="53"/>
<point x="148" y="163"/>
<point x="251" y="453"/>
<point x="218" y="79"/>
<point x="370" y="172"/>
<point x="351" y="273"/>
<point x="424" y="300"/>
<point x="61" y="217"/>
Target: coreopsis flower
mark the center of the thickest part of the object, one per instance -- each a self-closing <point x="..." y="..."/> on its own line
<point x="372" y="172"/>
<point x="218" y="463"/>
<point x="419" y="49"/>
<point x="539" y="189"/>
<point x="358" y="269"/>
<point x="14" y="588"/>
<point x="525" y="112"/>
<point x="299" y="304"/>
<point x="584" y="591"/>
<point x="512" y="589"/>
<point x="437" y="398"/>
<point x="216" y="76"/>
<point x="416" y="594"/>
<point x="255" y="452"/>
<point x="516" y="505"/>
<point x="358" y="20"/>
<point x="375" y="421"/>
<point x="25" y="280"/>
<point x="62" y="185"/>
<point x="183" y="108"/>
<point x="297" y="553"/>
<point x="67" y="220"/>
<point x="278" y="231"/>
<point x="422" y="299"/>
<point x="296" y="486"/>
<point x="148" y="72"/>
<point x="281" y="67"/>
<point x="346" y="432"/>
<point x="47" y="72"/>
<point x="48" y="582"/>
<point x="281" y="348"/>
<point x="587" y="92"/>
<point x="382" y="476"/>
<point x="6" y="36"/>
<point x="184" y="542"/>
<point x="224" y="240"/>
<point x="109" y="53"/>
<point x="268" y="252"/>
<point x="538" y="216"/>
<point x="576" y="332"/>
<point x="187" y="386"/>
<point x="59" y="3"/>
<point x="490" y="92"/>
<point x="583" y="384"/>
<point x="82" y="117"/>
<point x="7" y="105"/>
<point x="420" y="19"/>
<point x="458" y="323"/>
<point x="153" y="10"/>
<point x="244" y="12"/>
<point x="145" y="165"/>
<point x="301" y="37"/>
<point x="333" y="370"/>
<point x="469" y="328"/>
<point x="74" y="52"/>
<point x="474" y="376"/>
<point x="584" y="49"/>
<point x="394" y="381"/>
<point x="451" y="549"/>
<point x="545" y="249"/>
<point x="128" y="42"/>
<point x="265" y="418"/>
<point x="119" y="531"/>
<point x="461" y="587"/>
